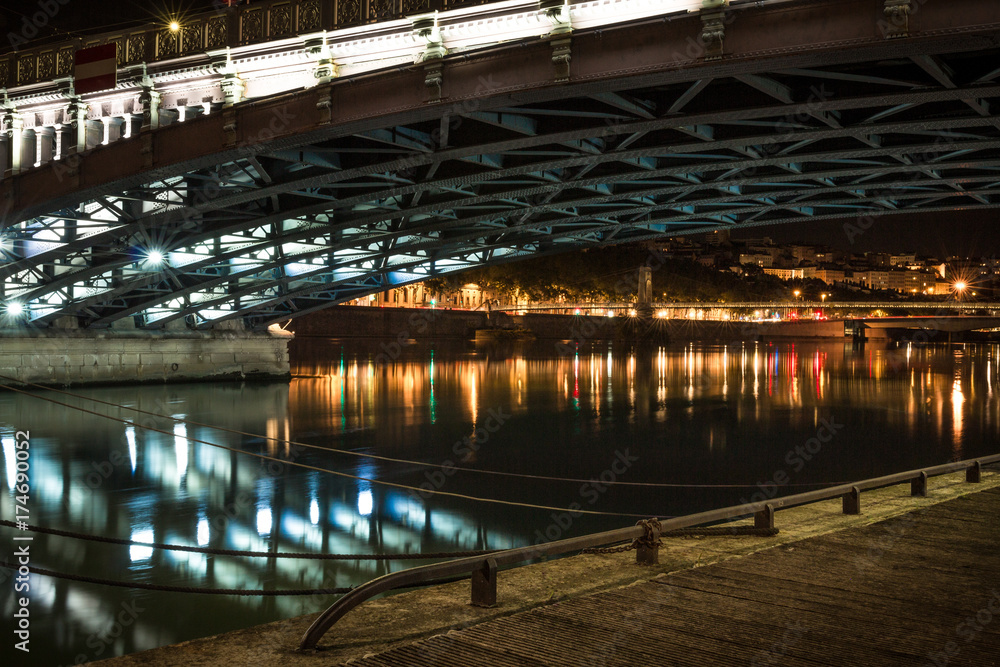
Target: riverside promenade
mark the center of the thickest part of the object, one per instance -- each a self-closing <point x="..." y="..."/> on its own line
<point x="911" y="581"/>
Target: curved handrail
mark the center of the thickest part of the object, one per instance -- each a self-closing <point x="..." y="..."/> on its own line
<point x="465" y="566"/>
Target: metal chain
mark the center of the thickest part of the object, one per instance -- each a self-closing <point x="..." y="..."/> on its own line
<point x="649" y="525"/>
<point x="647" y="541"/>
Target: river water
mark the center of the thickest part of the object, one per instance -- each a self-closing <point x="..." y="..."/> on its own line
<point x="726" y="424"/>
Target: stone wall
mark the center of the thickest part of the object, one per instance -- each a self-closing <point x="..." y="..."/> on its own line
<point x="84" y="357"/>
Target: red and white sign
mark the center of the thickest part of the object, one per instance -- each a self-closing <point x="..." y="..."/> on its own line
<point x="95" y="69"/>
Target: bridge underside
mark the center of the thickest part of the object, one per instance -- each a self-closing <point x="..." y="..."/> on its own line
<point x="293" y="204"/>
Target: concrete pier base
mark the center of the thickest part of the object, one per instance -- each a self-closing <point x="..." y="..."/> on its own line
<point x="71" y="358"/>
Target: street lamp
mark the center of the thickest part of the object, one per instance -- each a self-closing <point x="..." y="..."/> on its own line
<point x="822" y="297"/>
<point x="797" y="293"/>
<point x="959" y="289"/>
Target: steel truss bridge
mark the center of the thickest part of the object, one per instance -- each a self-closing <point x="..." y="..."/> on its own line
<point x="262" y="180"/>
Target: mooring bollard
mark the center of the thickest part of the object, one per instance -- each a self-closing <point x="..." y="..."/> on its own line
<point x="764" y="518"/>
<point x="647" y="547"/>
<point x="484" y="584"/>
<point x="918" y="485"/>
<point x="852" y="501"/>
<point x="974" y="473"/>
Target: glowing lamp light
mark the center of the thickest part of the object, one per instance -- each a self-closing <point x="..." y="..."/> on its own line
<point x="14" y="309"/>
<point x="959" y="286"/>
<point x="174" y="26"/>
<point x="155" y="258"/>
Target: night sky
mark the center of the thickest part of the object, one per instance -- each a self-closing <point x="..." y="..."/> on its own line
<point x="965" y="233"/>
<point x="942" y="235"/>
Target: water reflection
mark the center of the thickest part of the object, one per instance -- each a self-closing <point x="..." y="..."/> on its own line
<point x="689" y="413"/>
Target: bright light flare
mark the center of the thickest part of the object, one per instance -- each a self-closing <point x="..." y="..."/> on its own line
<point x="14" y="309"/>
<point x="174" y="26"/>
<point x="155" y="258"/>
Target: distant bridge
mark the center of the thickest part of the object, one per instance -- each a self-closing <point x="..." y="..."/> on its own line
<point x="945" y="308"/>
<point x="263" y="164"/>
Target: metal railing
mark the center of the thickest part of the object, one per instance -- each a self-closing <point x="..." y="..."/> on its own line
<point x="483" y="569"/>
<point x="260" y="21"/>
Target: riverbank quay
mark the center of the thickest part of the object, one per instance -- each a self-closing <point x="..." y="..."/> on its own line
<point x="400" y="326"/>
<point x="74" y="358"/>
<point x="861" y="548"/>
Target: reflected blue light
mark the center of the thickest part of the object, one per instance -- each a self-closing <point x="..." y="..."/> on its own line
<point x="314" y="512"/>
<point x="202" y="532"/>
<point x="365" y="503"/>
<point x="137" y="552"/>
<point x="264" y="521"/>
<point x="181" y="445"/>
<point x="130" y="437"/>
<point x="9" y="461"/>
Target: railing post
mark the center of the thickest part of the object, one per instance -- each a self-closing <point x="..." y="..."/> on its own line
<point x="918" y="485"/>
<point x="765" y="517"/>
<point x="974" y="473"/>
<point x="484" y="584"/>
<point x="852" y="501"/>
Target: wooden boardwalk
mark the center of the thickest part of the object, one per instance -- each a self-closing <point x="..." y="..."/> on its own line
<point x="919" y="589"/>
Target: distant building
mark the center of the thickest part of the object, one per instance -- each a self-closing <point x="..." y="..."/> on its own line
<point x="759" y="259"/>
<point x="791" y="274"/>
<point x="830" y="276"/>
<point x="903" y="260"/>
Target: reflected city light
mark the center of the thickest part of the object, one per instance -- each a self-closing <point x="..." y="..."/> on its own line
<point x="691" y="412"/>
<point x="130" y="439"/>
<point x="180" y="448"/>
<point x="264" y="521"/>
<point x="365" y="503"/>
<point x="313" y="512"/>
<point x="10" y="461"/>
<point x="138" y="552"/>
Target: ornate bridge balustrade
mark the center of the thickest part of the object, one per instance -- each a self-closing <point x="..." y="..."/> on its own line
<point x="261" y="21"/>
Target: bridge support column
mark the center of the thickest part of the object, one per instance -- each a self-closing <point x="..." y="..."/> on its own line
<point x="57" y="150"/>
<point x="16" y="144"/>
<point x="44" y="140"/>
<point x="77" y="114"/>
<point x="644" y="305"/>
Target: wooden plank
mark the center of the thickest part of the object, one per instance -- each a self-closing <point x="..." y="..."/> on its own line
<point x="893" y="593"/>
